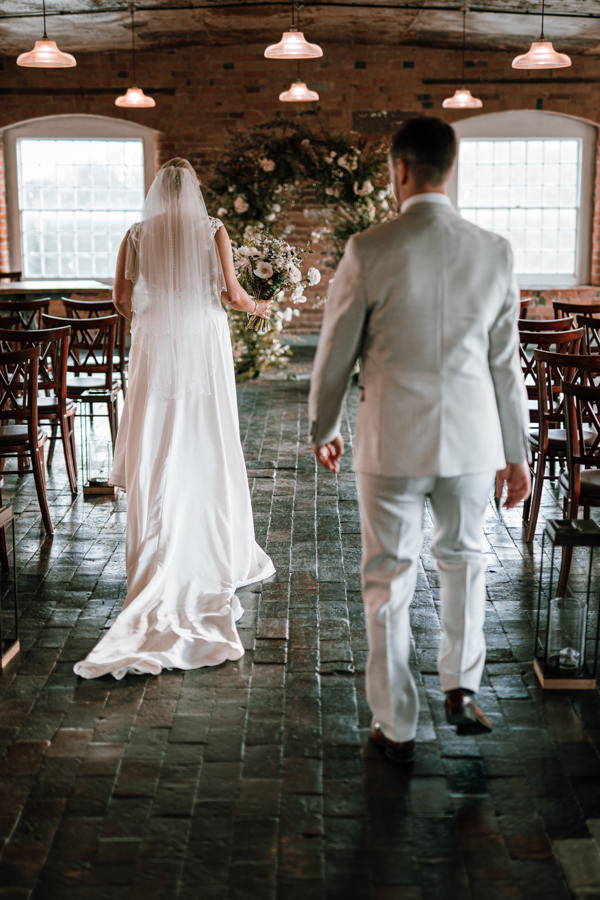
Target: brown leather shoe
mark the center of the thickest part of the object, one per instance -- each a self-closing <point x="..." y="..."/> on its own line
<point x="397" y="752"/>
<point x="462" y="711"/>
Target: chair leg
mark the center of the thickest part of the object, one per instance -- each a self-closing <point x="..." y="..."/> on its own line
<point x="53" y="435"/>
<point x="66" y="434"/>
<point x="39" y="475"/>
<point x="3" y="551"/>
<point x="123" y="371"/>
<point x="536" y="495"/>
<point x="570" y="512"/>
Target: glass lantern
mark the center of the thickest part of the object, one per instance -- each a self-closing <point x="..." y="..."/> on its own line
<point x="566" y="639"/>
<point x="562" y="638"/>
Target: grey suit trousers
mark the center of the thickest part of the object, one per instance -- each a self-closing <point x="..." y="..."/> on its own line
<point x="392" y="533"/>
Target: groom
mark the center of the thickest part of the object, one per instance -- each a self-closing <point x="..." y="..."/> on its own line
<point x="430" y="305"/>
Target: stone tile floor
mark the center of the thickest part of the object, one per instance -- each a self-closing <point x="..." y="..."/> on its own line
<point x="253" y="780"/>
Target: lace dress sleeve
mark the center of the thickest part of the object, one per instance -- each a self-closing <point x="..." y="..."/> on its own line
<point x="132" y="260"/>
<point x="215" y="224"/>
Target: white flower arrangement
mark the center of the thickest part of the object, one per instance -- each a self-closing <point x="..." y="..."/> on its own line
<point x="240" y="204"/>
<point x="314" y="276"/>
<point x="263" y="269"/>
<point x="266" y="164"/>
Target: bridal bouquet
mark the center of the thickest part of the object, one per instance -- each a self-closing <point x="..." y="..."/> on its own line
<point x="270" y="268"/>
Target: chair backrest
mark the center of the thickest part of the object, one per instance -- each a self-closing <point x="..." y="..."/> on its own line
<point x="552" y="370"/>
<point x="54" y="354"/>
<point x="18" y="386"/>
<point x="587" y="317"/>
<point x="23" y="314"/>
<point x="523" y="307"/>
<point x="582" y="422"/>
<point x="84" y="309"/>
<point x="92" y="344"/>
<point x="556" y="341"/>
<point x="565" y="324"/>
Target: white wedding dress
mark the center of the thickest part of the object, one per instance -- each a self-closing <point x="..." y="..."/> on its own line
<point x="190" y="532"/>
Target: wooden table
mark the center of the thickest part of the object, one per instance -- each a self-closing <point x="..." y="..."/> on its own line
<point x="29" y="289"/>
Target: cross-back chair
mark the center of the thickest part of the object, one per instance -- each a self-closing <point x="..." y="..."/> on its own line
<point x="23" y="314"/>
<point x="548" y="441"/>
<point x="54" y="406"/>
<point x="555" y="341"/>
<point x="564" y="324"/>
<point x="83" y="309"/>
<point x="580" y="483"/>
<point x="20" y="434"/>
<point x="587" y="316"/>
<point x="523" y="307"/>
<point x="15" y="275"/>
<point x="90" y="377"/>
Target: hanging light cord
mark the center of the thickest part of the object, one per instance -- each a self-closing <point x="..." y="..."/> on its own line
<point x="132" y="10"/>
<point x="464" y="29"/>
<point x="542" y="35"/>
<point x="44" y="14"/>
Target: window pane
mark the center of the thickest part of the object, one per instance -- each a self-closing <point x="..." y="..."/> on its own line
<point x="527" y="190"/>
<point x="76" y="200"/>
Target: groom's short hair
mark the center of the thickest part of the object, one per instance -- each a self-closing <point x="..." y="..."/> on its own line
<point x="428" y="145"/>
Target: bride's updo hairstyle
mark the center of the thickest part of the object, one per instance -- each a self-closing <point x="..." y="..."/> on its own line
<point x="171" y="177"/>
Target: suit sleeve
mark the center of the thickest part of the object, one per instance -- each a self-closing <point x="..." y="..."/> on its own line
<point x="339" y="347"/>
<point x="505" y="368"/>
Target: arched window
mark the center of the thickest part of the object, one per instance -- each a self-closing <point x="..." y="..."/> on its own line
<point x="529" y="175"/>
<point x="74" y="186"/>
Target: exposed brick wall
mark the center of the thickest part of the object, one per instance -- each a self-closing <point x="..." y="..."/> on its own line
<point x="207" y="94"/>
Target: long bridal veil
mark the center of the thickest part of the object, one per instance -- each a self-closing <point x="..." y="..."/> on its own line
<point x="172" y="259"/>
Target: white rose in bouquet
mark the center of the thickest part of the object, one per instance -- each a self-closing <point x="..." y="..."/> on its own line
<point x="314" y="276"/>
<point x="298" y="295"/>
<point x="263" y="269"/>
<point x="240" y="204"/>
<point x="295" y="274"/>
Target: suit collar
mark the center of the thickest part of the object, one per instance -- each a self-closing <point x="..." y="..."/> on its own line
<point x="429" y="197"/>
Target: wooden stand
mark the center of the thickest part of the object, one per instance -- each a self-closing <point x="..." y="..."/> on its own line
<point x="552" y="682"/>
<point x="9" y="646"/>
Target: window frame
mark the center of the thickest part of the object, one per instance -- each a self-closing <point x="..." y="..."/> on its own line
<point x="68" y="127"/>
<point x="532" y="124"/>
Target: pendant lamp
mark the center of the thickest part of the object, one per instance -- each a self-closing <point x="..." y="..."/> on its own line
<point x="462" y="97"/>
<point x="293" y="44"/>
<point x="134" y="97"/>
<point x="541" y="54"/>
<point x="45" y="53"/>
<point x="298" y="93"/>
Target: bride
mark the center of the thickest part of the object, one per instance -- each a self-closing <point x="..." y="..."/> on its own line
<point x="190" y="534"/>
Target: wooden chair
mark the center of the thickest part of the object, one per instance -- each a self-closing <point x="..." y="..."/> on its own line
<point x="549" y="442"/>
<point x="524" y="306"/>
<point x="580" y="484"/>
<point x="10" y="276"/>
<point x="564" y="324"/>
<point x="23" y="314"/>
<point x="83" y="309"/>
<point x="90" y="364"/>
<point x="19" y="404"/>
<point x="54" y="406"/>
<point x="554" y="341"/>
<point x="586" y="315"/>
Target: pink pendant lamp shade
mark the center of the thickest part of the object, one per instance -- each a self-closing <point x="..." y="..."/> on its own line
<point x="298" y="93"/>
<point x="462" y="97"/>
<point x="134" y="97"/>
<point x="541" y="54"/>
<point x="293" y="44"/>
<point x="45" y="53"/>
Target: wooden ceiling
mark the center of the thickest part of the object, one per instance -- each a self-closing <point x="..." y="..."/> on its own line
<point x="574" y="25"/>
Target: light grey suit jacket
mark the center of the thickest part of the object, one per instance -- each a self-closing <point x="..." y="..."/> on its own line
<point x="430" y="305"/>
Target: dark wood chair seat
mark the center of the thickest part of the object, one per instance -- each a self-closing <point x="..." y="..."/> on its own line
<point x="18" y="434"/>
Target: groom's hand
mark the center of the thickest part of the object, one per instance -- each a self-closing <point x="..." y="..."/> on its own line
<point x="517" y="478"/>
<point x="328" y="455"/>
